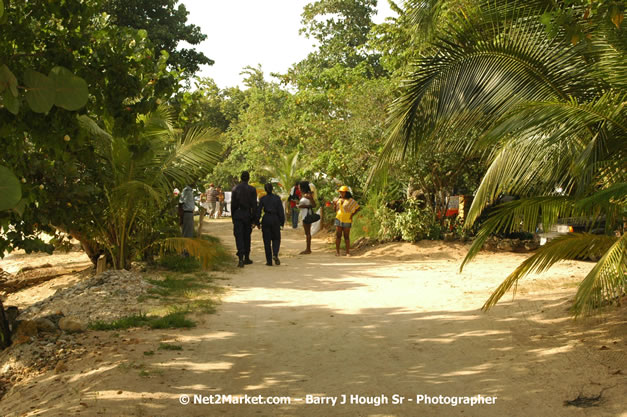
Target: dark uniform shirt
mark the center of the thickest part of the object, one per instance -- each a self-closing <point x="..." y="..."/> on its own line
<point x="272" y="207"/>
<point x="244" y="202"/>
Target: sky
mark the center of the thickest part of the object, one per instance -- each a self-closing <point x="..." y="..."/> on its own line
<point x="250" y="32"/>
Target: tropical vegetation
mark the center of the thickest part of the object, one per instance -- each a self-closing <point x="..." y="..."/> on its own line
<point x="547" y="108"/>
<point x="449" y="97"/>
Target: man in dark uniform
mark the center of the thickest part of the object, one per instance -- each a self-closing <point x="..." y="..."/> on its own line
<point x="273" y="220"/>
<point x="243" y="212"/>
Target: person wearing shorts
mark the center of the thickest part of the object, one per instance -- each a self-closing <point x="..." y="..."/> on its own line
<point x="345" y="207"/>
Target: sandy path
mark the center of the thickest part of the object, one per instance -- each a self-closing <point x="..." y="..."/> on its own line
<point x="399" y="320"/>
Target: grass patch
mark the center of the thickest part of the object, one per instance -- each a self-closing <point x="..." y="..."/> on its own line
<point x="175" y="320"/>
<point x="149" y="352"/>
<point x="178" y="263"/>
<point x="174" y="287"/>
<point x="166" y="346"/>
<point x="136" y="320"/>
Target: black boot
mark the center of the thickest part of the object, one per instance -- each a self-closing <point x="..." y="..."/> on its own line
<point x="247" y="261"/>
<point x="240" y="263"/>
<point x="276" y="260"/>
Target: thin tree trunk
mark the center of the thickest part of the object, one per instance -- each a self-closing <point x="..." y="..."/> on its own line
<point x="5" y="337"/>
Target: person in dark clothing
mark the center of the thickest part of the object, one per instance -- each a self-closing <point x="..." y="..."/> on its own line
<point x="244" y="211"/>
<point x="188" y="205"/>
<point x="271" y="224"/>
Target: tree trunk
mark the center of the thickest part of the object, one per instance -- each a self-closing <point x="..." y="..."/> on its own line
<point x="91" y="248"/>
<point x="5" y="332"/>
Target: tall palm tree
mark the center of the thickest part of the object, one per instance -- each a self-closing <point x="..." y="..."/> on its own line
<point x="551" y="114"/>
<point x="141" y="173"/>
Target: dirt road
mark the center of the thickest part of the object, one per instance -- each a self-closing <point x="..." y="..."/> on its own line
<point x="398" y="320"/>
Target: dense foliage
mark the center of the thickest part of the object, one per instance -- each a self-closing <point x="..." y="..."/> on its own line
<point x="548" y="107"/>
<point x="449" y="97"/>
<point x="63" y="177"/>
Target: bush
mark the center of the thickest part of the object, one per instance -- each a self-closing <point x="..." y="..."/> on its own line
<point x="417" y="223"/>
<point x="178" y="263"/>
<point x="385" y="219"/>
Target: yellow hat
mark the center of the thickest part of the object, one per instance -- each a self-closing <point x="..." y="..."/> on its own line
<point x="343" y="188"/>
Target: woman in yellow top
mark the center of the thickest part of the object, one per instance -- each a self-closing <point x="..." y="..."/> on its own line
<point x="345" y="207"/>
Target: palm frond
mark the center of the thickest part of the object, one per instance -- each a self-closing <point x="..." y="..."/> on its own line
<point x="202" y="249"/>
<point x="157" y="122"/>
<point x="568" y="247"/>
<point x="606" y="282"/>
<point x="136" y="190"/>
<point x="198" y="150"/>
<point x="479" y="76"/>
<point x="614" y="195"/>
<point x="524" y="215"/>
<point x="524" y="167"/>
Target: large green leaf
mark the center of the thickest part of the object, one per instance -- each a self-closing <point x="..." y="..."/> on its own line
<point x="11" y="103"/>
<point x="8" y="90"/>
<point x="8" y="80"/>
<point x="70" y="91"/>
<point x="10" y="190"/>
<point x="1" y="8"/>
<point x="41" y="93"/>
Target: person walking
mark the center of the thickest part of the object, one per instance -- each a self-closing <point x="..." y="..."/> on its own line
<point x="271" y="224"/>
<point x="345" y="207"/>
<point x="243" y="215"/>
<point x="212" y="199"/>
<point x="306" y="205"/>
<point x="202" y="211"/>
<point x="294" y="198"/>
<point x="221" y="202"/>
<point x="187" y="204"/>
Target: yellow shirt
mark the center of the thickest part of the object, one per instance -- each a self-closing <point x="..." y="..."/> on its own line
<point x="345" y="209"/>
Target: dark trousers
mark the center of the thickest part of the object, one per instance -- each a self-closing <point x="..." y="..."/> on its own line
<point x="188" y="224"/>
<point x="295" y="213"/>
<point x="242" y="228"/>
<point x="271" y="240"/>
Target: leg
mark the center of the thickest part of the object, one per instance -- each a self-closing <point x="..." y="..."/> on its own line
<point x="347" y="240"/>
<point x="338" y="239"/>
<point x="188" y="224"/>
<point x="295" y="214"/>
<point x="266" y="231"/>
<point x="238" y="232"/>
<point x="248" y="230"/>
<point x="276" y="243"/>
<point x="201" y="217"/>
<point x="307" y="228"/>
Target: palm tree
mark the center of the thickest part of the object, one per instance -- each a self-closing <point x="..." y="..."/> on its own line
<point x="286" y="170"/>
<point x="552" y="116"/>
<point x="141" y="173"/>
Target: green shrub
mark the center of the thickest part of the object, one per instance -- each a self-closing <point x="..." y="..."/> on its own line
<point x="178" y="263"/>
<point x="175" y="320"/>
<point x="385" y="219"/>
<point x="417" y="223"/>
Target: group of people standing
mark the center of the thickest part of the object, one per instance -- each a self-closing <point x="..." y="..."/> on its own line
<point x="269" y="215"/>
<point x="212" y="204"/>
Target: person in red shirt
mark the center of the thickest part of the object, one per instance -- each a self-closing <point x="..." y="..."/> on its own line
<point x="294" y="198"/>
